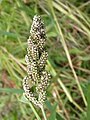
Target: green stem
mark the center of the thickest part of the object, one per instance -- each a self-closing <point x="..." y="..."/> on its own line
<point x="43" y="112"/>
<point x="33" y="109"/>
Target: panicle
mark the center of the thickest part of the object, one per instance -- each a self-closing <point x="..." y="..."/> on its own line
<point x="36" y="61"/>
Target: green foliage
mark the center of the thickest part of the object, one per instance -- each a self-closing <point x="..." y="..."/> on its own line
<point x="54" y="115"/>
<point x="88" y="100"/>
<point x="67" y="25"/>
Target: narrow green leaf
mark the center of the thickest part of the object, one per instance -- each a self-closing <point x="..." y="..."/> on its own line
<point x="53" y="113"/>
<point x="48" y="104"/>
<point x="9" y="34"/>
<point x="52" y="108"/>
<point x="11" y="90"/>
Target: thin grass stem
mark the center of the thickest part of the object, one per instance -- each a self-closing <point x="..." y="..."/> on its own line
<point x="43" y="112"/>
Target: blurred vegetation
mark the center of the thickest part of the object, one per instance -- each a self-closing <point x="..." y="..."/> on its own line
<point x="67" y="25"/>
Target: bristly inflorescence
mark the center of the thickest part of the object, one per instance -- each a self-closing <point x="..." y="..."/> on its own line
<point x="37" y="79"/>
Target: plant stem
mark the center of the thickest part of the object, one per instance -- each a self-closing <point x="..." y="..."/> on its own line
<point x="33" y="109"/>
<point x="43" y="112"/>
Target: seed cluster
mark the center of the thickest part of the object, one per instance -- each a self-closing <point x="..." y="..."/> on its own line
<point x="36" y="60"/>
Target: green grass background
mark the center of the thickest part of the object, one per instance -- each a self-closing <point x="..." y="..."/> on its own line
<point x="67" y="25"/>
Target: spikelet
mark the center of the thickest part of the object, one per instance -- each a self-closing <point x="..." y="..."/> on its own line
<point x="36" y="60"/>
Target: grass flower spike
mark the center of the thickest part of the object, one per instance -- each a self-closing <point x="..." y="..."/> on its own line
<point x="37" y="79"/>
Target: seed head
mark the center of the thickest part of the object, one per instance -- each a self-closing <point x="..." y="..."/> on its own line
<point x="36" y="61"/>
